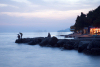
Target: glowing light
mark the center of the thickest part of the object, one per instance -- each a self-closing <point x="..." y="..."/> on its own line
<point x="94" y="30"/>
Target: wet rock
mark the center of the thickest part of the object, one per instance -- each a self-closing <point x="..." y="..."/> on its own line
<point x="91" y="47"/>
<point x="45" y="41"/>
<point x="83" y="45"/>
<point x="76" y="45"/>
<point x="96" y="44"/>
<point x="36" y="41"/>
<point x="24" y="40"/>
<point x="61" y="42"/>
<point x="93" y="44"/>
<point x="53" y="41"/>
<point x="69" y="45"/>
<point x="18" y="41"/>
<point x="95" y="51"/>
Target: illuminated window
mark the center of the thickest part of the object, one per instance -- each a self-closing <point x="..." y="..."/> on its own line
<point x="94" y="30"/>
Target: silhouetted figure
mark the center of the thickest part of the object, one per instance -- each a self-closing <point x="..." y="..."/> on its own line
<point x="18" y="36"/>
<point x="21" y="35"/>
<point x="49" y="35"/>
<point x="96" y="32"/>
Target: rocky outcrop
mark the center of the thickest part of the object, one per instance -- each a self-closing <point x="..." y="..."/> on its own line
<point x="53" y="41"/>
<point x="91" y="46"/>
<point x="36" y="41"/>
<point x="45" y="42"/>
<point x="82" y="45"/>
<point x="61" y="42"/>
<point x="69" y="45"/>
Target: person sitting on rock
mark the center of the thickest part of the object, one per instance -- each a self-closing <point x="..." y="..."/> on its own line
<point x="18" y="36"/>
<point x="21" y="35"/>
<point x="49" y="35"/>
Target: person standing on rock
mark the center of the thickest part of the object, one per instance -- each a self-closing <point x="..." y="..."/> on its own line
<point x="21" y="35"/>
<point x="49" y="35"/>
<point x="18" y="36"/>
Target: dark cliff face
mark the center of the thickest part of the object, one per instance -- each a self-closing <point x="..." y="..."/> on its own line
<point x="92" y="18"/>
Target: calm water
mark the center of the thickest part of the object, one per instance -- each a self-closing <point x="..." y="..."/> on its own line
<point x="23" y="55"/>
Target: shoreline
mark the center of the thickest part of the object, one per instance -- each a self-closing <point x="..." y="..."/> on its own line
<point x="90" y="46"/>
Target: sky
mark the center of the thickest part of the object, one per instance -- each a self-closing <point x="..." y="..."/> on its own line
<point x="42" y="15"/>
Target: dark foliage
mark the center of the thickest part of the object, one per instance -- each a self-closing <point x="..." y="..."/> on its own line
<point x="92" y="18"/>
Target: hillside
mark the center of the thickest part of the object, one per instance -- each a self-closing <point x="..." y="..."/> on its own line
<point x="92" y="18"/>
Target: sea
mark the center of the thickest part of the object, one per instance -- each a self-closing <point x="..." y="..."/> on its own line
<point x="24" y="55"/>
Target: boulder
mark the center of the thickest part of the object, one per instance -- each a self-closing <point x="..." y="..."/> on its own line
<point x="69" y="45"/>
<point x="76" y="45"/>
<point x="33" y="42"/>
<point x="96" y="44"/>
<point x="45" y="41"/>
<point x="61" y="42"/>
<point x="53" y="41"/>
<point x="93" y="44"/>
<point x="83" y="45"/>
<point x="89" y="46"/>
<point x="27" y="40"/>
<point x="24" y="40"/>
<point x="36" y="41"/>
<point x="95" y="51"/>
<point x="18" y="41"/>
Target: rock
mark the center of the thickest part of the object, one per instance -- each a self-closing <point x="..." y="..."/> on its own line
<point x="76" y="45"/>
<point x="45" y="41"/>
<point x="30" y="41"/>
<point x="69" y="45"/>
<point x="89" y="46"/>
<point x="36" y="41"/>
<point x="83" y="45"/>
<point x="96" y="44"/>
<point x="24" y="40"/>
<point x="53" y="41"/>
<point x="95" y="51"/>
<point x="61" y="42"/>
<point x="93" y="44"/>
<point x="18" y="41"/>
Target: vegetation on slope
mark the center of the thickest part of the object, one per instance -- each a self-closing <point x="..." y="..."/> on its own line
<point x="92" y="18"/>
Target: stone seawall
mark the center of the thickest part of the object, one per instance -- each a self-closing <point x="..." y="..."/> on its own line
<point x="89" y="46"/>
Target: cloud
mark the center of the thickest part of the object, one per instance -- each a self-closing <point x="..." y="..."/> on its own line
<point x="6" y="5"/>
<point x="73" y="3"/>
<point x="70" y="1"/>
<point x="61" y="1"/>
<point x="3" y="5"/>
<point x="23" y="1"/>
<point x="26" y="2"/>
<point x="47" y="14"/>
<point x="55" y="14"/>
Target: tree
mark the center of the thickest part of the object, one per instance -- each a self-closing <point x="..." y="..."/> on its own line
<point x="85" y="20"/>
